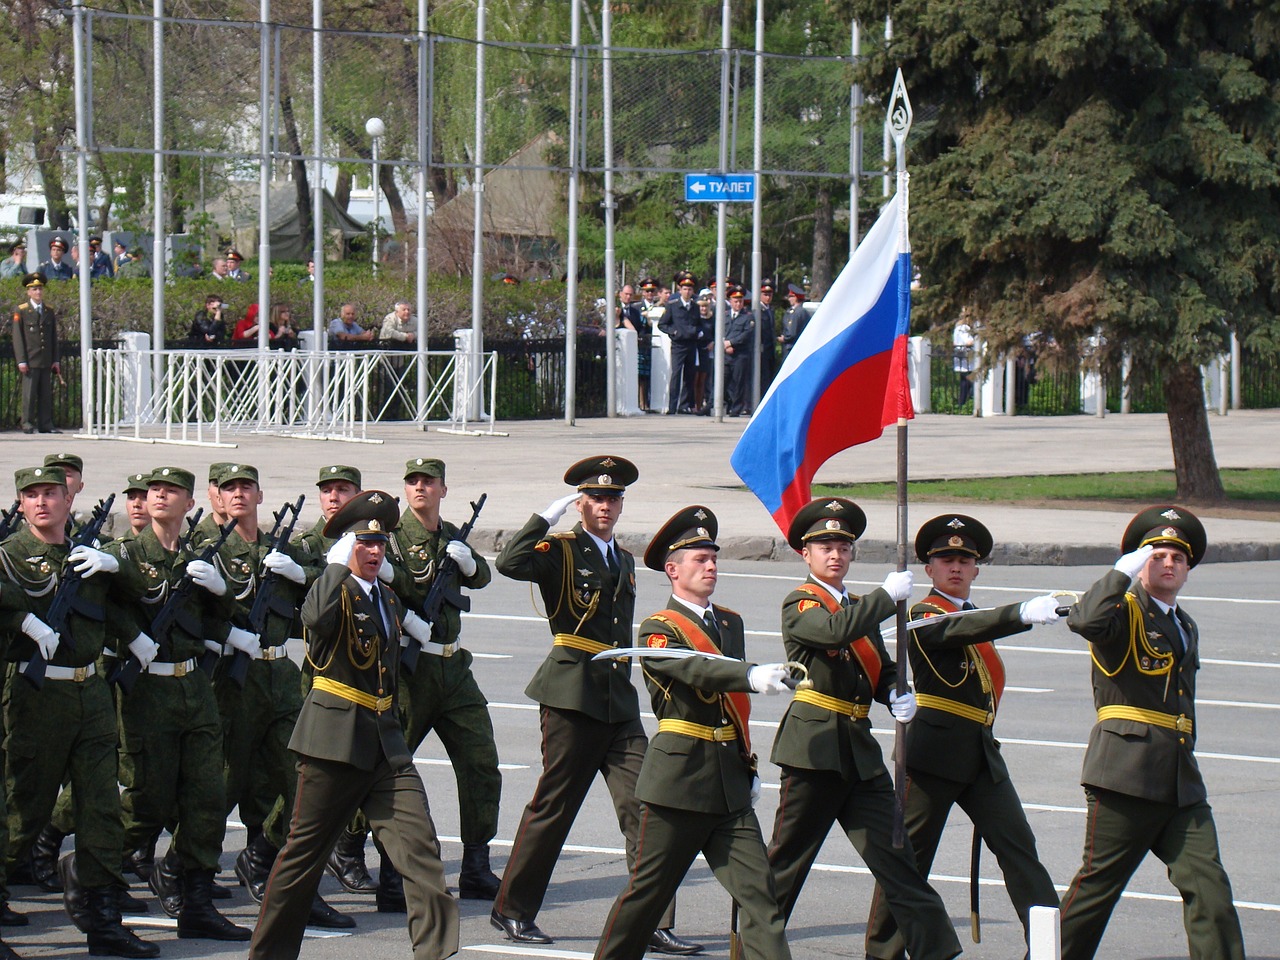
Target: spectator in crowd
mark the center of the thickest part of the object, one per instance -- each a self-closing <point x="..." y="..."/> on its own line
<point x="962" y="347"/>
<point x="311" y="271"/>
<point x="16" y="265"/>
<point x="400" y="325"/>
<point x="630" y="316"/>
<point x="57" y="268"/>
<point x="75" y="260"/>
<point x="209" y="327"/>
<point x="119" y="254"/>
<point x="219" y="269"/>
<point x="768" y="352"/>
<point x="100" y="264"/>
<point x="233" y="266"/>
<point x="345" y="329"/>
<point x="703" y="388"/>
<point x="284" y="334"/>
<point x="680" y="322"/>
<point x="246" y="331"/>
<point x="739" y="352"/>
<point x="134" y="267"/>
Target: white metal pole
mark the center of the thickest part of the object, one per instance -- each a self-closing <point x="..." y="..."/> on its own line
<point x="610" y="280"/>
<point x="264" y="194"/>
<point x="1235" y="371"/>
<point x="757" y="210"/>
<point x="82" y="217"/>
<point x="318" y="322"/>
<point x="855" y="141"/>
<point x="571" y="284"/>
<point x="157" y="191"/>
<point x="722" y="226"/>
<point x="424" y="163"/>
<point x="477" y="251"/>
<point x="375" y="128"/>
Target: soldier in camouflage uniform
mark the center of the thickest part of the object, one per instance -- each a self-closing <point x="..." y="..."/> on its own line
<point x="66" y="727"/>
<point x="169" y="724"/>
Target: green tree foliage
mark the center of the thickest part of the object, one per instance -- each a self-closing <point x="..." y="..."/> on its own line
<point x="1098" y="166"/>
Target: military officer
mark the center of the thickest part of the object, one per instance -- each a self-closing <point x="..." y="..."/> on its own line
<point x="768" y="349"/>
<point x="952" y="755"/>
<point x="169" y="725"/>
<point x="698" y="784"/>
<point x="56" y="267"/>
<point x="36" y="349"/>
<point x="794" y="320"/>
<point x="590" y="711"/>
<point x="681" y="322"/>
<point x="65" y="728"/>
<point x="441" y="693"/>
<point x="351" y="747"/>
<point x="1142" y="784"/>
<point x="739" y="349"/>
<point x="832" y="768"/>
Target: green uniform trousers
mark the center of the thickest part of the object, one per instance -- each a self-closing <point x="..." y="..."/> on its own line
<point x="998" y="817"/>
<point x="811" y="801"/>
<point x="442" y="695"/>
<point x="575" y="747"/>
<point x="65" y="730"/>
<point x="669" y="841"/>
<point x="328" y="793"/>
<point x="257" y="722"/>
<point x="171" y="739"/>
<point x="1119" y="832"/>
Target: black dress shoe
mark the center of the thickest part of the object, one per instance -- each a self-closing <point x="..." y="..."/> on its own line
<point x="323" y="915"/>
<point x="664" y="940"/>
<point x="10" y="917"/>
<point x="520" y="931"/>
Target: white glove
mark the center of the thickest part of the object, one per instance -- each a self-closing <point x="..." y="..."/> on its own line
<point x="88" y="561"/>
<point x="340" y="552"/>
<point x="206" y="575"/>
<point x="461" y="554"/>
<point x="767" y="678"/>
<point x="1039" y="610"/>
<point x="554" y="512"/>
<point x="902" y="707"/>
<point x="417" y="628"/>
<point x="244" y="641"/>
<point x="42" y="634"/>
<point x="1131" y="564"/>
<point x="898" y="585"/>
<point x="284" y="565"/>
<point x="386" y="572"/>
<point x="144" y="648"/>
<point x="755" y="790"/>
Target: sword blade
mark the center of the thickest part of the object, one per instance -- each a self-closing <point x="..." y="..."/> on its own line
<point x="668" y="652"/>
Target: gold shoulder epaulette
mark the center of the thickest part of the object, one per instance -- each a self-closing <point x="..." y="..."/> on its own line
<point x="565" y="535"/>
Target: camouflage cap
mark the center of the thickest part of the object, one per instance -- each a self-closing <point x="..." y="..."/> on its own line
<point x="31" y="476"/>
<point x="339" y="471"/>
<point x="215" y="470"/>
<point x="428" y="466"/>
<point x="175" y="476"/>
<point x="65" y="460"/>
<point x="137" y="483"/>
<point x="237" y="471"/>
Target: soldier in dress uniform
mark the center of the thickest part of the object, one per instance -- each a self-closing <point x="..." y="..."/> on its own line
<point x="56" y="267"/>
<point x="1142" y="784"/>
<point x="36" y="349"/>
<point x="351" y="747"/>
<point x="171" y="733"/>
<point x="739" y="348"/>
<point x="590" y="711"/>
<point x="65" y="728"/>
<point x="768" y="348"/>
<point x="698" y="784"/>
<point x="952" y="754"/>
<point x="794" y="320"/>
<point x="832" y="767"/>
<point x="682" y="323"/>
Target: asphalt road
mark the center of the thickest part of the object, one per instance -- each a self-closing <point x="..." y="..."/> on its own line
<point x="1044" y="724"/>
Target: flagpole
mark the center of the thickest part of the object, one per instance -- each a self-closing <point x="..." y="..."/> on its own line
<point x="898" y="123"/>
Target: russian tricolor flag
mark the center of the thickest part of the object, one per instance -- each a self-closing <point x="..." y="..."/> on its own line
<point x="845" y="379"/>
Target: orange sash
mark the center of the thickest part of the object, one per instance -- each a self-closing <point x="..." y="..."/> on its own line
<point x="863" y="649"/>
<point x="986" y="650"/>
<point x="737" y="705"/>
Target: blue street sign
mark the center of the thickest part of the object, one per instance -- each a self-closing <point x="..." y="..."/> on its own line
<point x="719" y="187"/>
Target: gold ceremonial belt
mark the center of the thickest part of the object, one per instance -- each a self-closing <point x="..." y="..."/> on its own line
<point x="580" y="643"/>
<point x="858" y="711"/>
<point x="1118" y="711"/>
<point x="359" y="697"/>
<point x="976" y="714"/>
<point x="685" y="728"/>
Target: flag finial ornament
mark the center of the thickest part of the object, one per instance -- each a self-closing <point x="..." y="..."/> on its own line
<point x="900" y="115"/>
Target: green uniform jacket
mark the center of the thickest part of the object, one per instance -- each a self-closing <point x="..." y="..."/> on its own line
<point x="943" y="665"/>
<point x="240" y="564"/>
<point x="811" y="737"/>
<point x="35" y="337"/>
<point x="1143" y="665"/>
<point x="415" y="554"/>
<point x="345" y="644"/>
<point x="686" y="772"/>
<point x="580" y="598"/>
<point x="313" y="545"/>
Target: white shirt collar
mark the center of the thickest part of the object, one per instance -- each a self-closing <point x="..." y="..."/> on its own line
<point x="604" y="547"/>
<point x="1164" y="607"/>
<point x="840" y="595"/>
<point x="700" y="611"/>
<point x="955" y="600"/>
<point x="365" y="585"/>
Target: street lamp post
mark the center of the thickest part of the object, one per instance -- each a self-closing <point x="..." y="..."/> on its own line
<point x="375" y="128"/>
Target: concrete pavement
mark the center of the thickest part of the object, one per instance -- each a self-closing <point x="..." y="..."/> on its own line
<point x="685" y="460"/>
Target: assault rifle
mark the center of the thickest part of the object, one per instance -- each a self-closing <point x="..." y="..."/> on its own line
<point x="9" y="519"/>
<point x="443" y="587"/>
<point x="174" y="610"/>
<point x="67" y="599"/>
<point x="267" y="598"/>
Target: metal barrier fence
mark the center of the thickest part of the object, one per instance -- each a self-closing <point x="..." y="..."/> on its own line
<point x="66" y="389"/>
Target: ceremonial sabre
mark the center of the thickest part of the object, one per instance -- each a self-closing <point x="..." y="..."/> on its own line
<point x="683" y="653"/>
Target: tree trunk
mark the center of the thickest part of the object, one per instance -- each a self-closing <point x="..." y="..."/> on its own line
<point x="49" y="163"/>
<point x="297" y="167"/>
<point x="342" y="189"/>
<point x="1194" y="465"/>
<point x="395" y="203"/>
<point x="823" y="228"/>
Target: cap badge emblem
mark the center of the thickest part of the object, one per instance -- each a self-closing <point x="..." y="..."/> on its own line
<point x="604" y="479"/>
<point x="702" y="532"/>
<point x="835" y="506"/>
<point x="1169" y="532"/>
<point x="1171" y="514"/>
<point x="375" y="526"/>
<point x="700" y="514"/>
<point x="375" y="498"/>
<point x="955" y="541"/>
<point x="833" y="524"/>
<point x="608" y="462"/>
<point x="956" y="523"/>
<point x="38" y="472"/>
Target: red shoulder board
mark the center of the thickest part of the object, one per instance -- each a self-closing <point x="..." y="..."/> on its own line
<point x="656" y="640"/>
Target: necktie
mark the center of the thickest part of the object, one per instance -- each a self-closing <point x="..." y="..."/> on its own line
<point x="614" y="570"/>
<point x="709" y="622"/>
<point x="376" y="597"/>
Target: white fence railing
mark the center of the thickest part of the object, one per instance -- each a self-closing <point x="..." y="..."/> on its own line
<point x="205" y="396"/>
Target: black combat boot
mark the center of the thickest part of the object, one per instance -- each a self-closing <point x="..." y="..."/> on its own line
<point x="73" y="896"/>
<point x="139" y="862"/>
<point x="166" y="882"/>
<point x="198" y="920"/>
<point x="390" y="892"/>
<point x="476" y="881"/>
<point x="323" y="915"/>
<point x="107" y="936"/>
<point x="44" y="858"/>
<point x="253" y="866"/>
<point x="346" y="863"/>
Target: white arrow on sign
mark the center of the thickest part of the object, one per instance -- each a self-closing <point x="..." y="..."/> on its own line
<point x="697" y="186"/>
